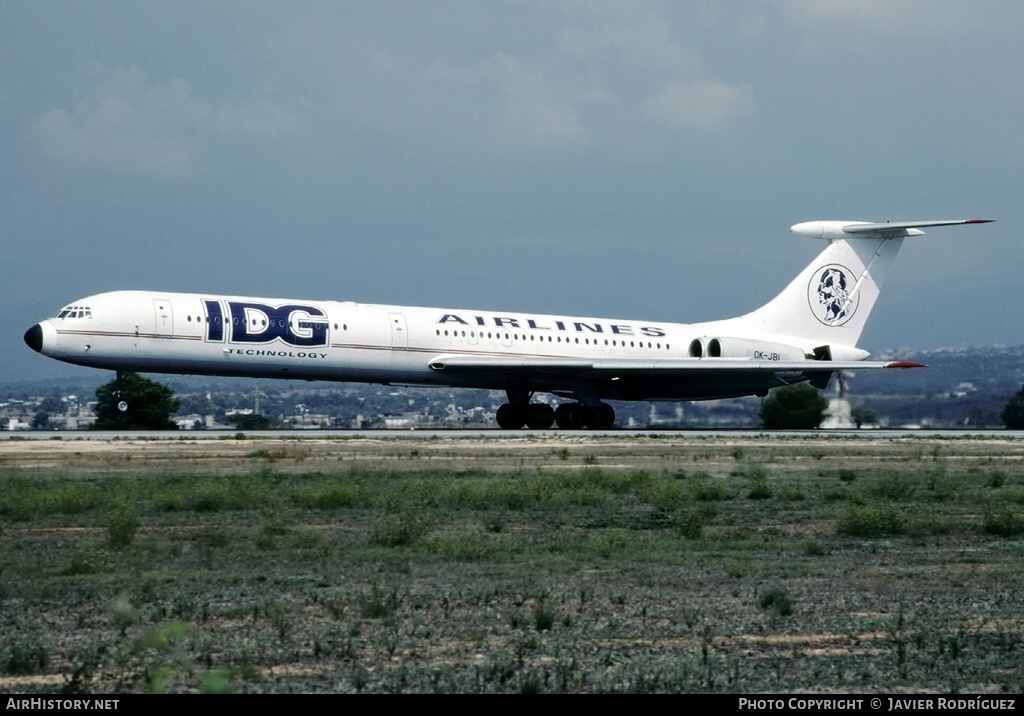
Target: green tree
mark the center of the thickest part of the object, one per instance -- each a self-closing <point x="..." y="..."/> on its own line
<point x="150" y="405"/>
<point x="1013" y="411"/>
<point x="253" y="421"/>
<point x="864" y="416"/>
<point x="793" y="407"/>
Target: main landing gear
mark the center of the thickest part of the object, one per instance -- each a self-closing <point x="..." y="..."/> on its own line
<point x="536" y="416"/>
<point x="573" y="416"/>
<point x="518" y="412"/>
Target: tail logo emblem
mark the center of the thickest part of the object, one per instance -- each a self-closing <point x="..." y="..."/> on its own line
<point x="831" y="295"/>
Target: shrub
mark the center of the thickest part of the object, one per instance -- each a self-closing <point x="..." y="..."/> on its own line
<point x="778" y="601"/>
<point x="400" y="529"/>
<point x="543" y="617"/>
<point x="84" y="560"/>
<point x="759" y="489"/>
<point x="26" y="656"/>
<point x="869" y="521"/>
<point x="122" y="524"/>
<point x="1004" y="522"/>
<point x="690" y="523"/>
<point x="379" y="604"/>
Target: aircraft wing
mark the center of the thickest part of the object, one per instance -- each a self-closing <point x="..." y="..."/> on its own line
<point x="640" y="378"/>
<point x="608" y="367"/>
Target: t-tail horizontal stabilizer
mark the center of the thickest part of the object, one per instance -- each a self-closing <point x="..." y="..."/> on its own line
<point x="864" y="229"/>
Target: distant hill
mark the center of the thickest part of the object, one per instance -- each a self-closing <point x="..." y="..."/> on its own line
<point x="963" y="387"/>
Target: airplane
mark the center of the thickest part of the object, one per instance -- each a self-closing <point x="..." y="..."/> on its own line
<point x="806" y="333"/>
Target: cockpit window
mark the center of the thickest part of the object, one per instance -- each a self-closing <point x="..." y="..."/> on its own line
<point x="75" y="312"/>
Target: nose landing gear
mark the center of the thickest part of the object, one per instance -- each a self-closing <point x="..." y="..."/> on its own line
<point x="121" y="405"/>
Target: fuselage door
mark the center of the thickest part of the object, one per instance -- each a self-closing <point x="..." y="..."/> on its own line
<point x="399" y="334"/>
<point x="164" y="317"/>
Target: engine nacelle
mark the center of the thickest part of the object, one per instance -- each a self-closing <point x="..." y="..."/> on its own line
<point x="824" y="229"/>
<point x="744" y="348"/>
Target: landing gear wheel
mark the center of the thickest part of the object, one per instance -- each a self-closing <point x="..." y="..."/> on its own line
<point x="511" y="417"/>
<point x="539" y="416"/>
<point x="121" y="405"/>
<point x="569" y="416"/>
<point x="599" y="417"/>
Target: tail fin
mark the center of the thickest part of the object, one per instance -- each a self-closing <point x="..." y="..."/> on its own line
<point x="828" y="303"/>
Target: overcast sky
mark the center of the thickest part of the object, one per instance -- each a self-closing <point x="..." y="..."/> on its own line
<point x="621" y="159"/>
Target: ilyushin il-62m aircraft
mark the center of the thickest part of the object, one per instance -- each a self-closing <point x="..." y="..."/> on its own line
<point x="806" y="333"/>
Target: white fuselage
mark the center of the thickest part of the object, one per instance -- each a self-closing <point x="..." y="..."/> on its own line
<point x="344" y="341"/>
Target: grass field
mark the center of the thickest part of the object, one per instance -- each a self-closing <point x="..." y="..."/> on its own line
<point x="641" y="563"/>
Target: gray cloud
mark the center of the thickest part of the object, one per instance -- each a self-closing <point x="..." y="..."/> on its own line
<point x="699" y="104"/>
<point x="128" y="123"/>
<point x="568" y="77"/>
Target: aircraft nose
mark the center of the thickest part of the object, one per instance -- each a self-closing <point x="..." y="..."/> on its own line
<point x="34" y="338"/>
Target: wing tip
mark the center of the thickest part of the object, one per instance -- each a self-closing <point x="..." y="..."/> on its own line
<point x="906" y="364"/>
